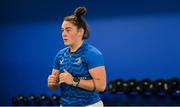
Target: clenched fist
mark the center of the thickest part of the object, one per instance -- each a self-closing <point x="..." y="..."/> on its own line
<point x="53" y="80"/>
<point x="65" y="77"/>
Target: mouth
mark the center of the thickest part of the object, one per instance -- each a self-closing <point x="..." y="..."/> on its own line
<point x="65" y="40"/>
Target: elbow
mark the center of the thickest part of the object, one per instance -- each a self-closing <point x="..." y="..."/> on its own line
<point x="102" y="88"/>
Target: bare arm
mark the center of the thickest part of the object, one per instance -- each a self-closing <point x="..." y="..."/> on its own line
<point x="97" y="83"/>
<point x="98" y="77"/>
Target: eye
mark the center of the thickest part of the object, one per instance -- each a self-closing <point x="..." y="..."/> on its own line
<point x="62" y="30"/>
<point x="68" y="30"/>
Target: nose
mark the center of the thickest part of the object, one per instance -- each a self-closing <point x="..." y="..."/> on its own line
<point x="64" y="34"/>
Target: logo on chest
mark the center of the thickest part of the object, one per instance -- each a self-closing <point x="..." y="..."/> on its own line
<point x="78" y="61"/>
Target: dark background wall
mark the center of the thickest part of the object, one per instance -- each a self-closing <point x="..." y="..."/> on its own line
<point x="138" y="39"/>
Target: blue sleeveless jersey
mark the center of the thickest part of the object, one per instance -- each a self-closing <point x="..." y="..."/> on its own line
<point x="78" y="64"/>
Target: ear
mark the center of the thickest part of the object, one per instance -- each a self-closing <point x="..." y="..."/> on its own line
<point x="81" y="31"/>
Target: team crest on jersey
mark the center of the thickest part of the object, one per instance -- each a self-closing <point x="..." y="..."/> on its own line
<point x="78" y="61"/>
<point x="61" y="61"/>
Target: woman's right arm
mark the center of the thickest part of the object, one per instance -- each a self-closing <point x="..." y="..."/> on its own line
<point x="53" y="79"/>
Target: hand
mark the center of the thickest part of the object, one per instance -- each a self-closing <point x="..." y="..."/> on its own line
<point x="66" y="77"/>
<point x="53" y="81"/>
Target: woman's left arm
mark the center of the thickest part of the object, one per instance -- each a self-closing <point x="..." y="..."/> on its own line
<point x="98" y="82"/>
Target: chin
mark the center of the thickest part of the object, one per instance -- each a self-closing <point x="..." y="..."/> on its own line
<point x="66" y="44"/>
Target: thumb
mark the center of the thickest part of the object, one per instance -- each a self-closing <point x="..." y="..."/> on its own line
<point x="65" y="71"/>
<point x="55" y="72"/>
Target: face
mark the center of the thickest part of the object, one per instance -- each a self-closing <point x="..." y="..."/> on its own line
<point x="70" y="33"/>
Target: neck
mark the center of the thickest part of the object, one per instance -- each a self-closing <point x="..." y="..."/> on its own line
<point x="76" y="46"/>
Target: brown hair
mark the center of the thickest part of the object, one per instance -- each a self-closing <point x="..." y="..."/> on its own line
<point x="79" y="21"/>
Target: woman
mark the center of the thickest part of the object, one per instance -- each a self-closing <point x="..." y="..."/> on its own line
<point x="79" y="68"/>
